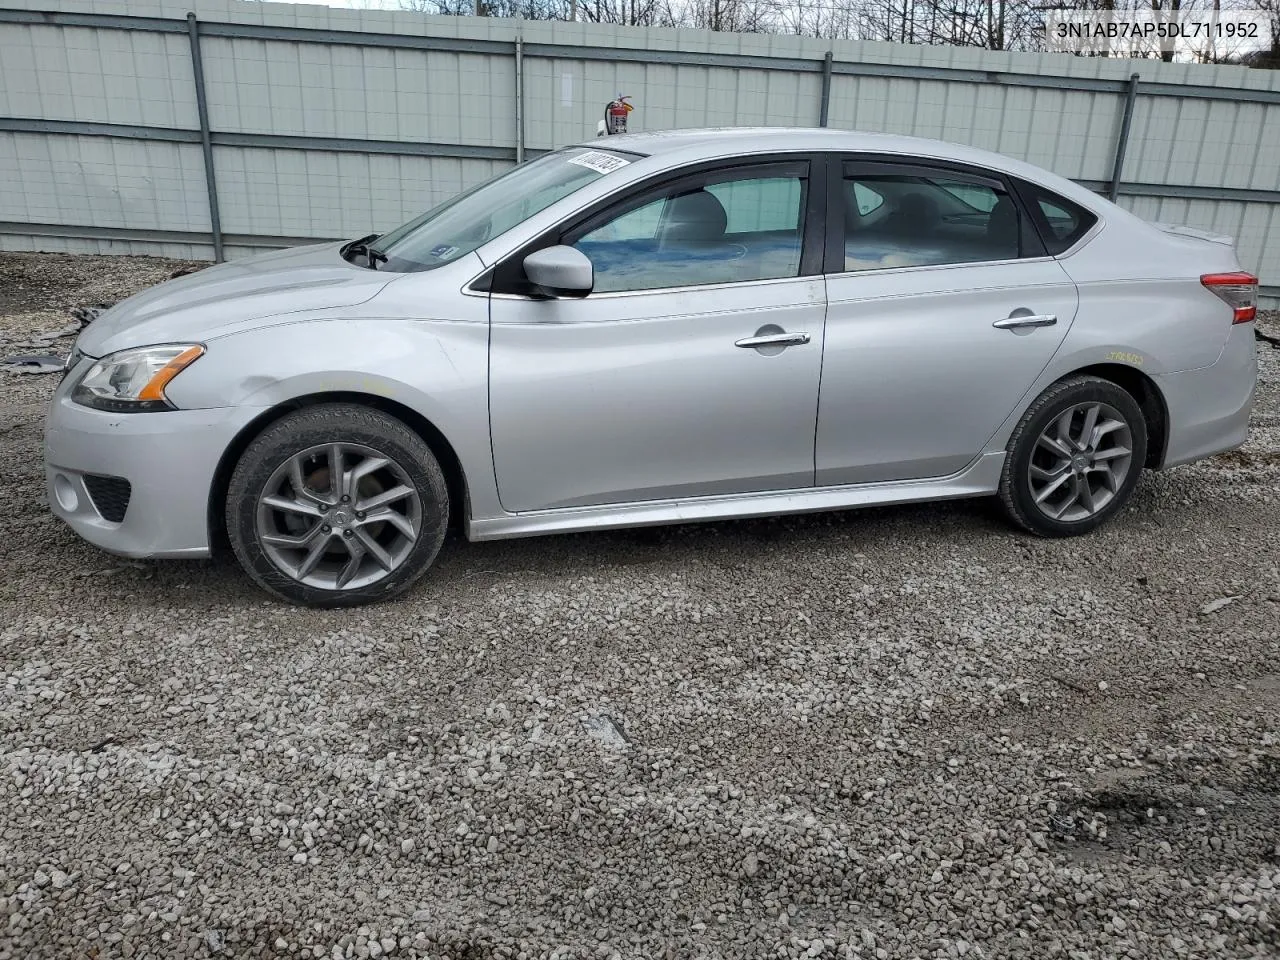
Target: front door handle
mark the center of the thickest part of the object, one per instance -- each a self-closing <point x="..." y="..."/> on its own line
<point x="781" y="339"/>
<point x="1028" y="320"/>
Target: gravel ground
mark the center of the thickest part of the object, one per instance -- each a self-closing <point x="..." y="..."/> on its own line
<point x="889" y="733"/>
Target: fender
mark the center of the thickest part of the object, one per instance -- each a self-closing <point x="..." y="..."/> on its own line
<point x="437" y="368"/>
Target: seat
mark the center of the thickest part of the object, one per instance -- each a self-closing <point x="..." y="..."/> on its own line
<point x="1002" y="230"/>
<point x="919" y="208"/>
<point x="694" y="217"/>
<point x="915" y="215"/>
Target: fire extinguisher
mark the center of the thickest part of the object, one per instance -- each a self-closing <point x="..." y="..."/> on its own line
<point x="615" y="115"/>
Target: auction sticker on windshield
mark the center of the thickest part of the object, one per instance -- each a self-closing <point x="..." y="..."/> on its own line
<point x="599" y="162"/>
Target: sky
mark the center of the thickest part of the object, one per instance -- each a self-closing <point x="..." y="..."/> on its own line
<point x="352" y="4"/>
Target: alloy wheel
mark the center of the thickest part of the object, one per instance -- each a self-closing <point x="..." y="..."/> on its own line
<point x="1080" y="461"/>
<point x="338" y="516"/>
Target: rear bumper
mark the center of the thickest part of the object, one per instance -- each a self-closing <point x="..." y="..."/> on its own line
<point x="168" y="459"/>
<point x="1209" y="407"/>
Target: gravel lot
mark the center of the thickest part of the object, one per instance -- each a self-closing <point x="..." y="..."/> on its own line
<point x="891" y="733"/>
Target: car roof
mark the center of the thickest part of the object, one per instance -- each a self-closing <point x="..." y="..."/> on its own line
<point x="712" y="143"/>
<point x="721" y="141"/>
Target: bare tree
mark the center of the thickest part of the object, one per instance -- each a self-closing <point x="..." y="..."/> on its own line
<point x="1267" y="58"/>
<point x="990" y="24"/>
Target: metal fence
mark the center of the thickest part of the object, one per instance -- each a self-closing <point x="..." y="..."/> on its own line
<point x="143" y="127"/>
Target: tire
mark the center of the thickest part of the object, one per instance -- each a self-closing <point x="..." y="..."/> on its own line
<point x="1042" y="474"/>
<point x="311" y="546"/>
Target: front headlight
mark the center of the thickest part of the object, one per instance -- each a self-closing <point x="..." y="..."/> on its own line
<point x="134" y="380"/>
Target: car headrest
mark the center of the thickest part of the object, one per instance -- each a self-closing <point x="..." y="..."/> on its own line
<point x="694" y="217"/>
<point x="919" y="210"/>
<point x="852" y="215"/>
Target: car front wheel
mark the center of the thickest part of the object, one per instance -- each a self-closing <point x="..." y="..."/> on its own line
<point x="1074" y="458"/>
<point x="337" y="505"/>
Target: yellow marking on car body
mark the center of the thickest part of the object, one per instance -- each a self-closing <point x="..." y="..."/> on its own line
<point x="1134" y="358"/>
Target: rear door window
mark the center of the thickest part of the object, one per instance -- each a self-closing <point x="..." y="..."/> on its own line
<point x="908" y="216"/>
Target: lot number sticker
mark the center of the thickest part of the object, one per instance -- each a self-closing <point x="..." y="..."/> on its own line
<point x="599" y="162"/>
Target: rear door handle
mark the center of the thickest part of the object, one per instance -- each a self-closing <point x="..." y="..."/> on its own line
<point x="1033" y="320"/>
<point x="783" y="339"/>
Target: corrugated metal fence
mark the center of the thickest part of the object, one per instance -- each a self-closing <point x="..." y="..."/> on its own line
<point x="144" y="127"/>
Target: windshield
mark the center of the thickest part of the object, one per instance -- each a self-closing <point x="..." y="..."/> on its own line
<point x="459" y="226"/>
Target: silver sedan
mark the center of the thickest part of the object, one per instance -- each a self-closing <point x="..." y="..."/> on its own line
<point x="652" y="329"/>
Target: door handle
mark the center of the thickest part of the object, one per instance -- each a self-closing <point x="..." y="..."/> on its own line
<point x="1030" y="320"/>
<point x="782" y="339"/>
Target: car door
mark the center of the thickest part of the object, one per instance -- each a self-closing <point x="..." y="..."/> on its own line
<point x="943" y="310"/>
<point x="692" y="367"/>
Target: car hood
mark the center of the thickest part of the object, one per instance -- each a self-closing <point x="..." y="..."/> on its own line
<point x="256" y="291"/>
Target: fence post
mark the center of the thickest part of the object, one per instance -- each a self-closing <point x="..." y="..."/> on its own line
<point x="825" y="105"/>
<point x="1123" y="141"/>
<point x="202" y="107"/>
<point x="519" y="99"/>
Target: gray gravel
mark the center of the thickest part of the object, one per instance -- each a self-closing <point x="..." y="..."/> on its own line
<point x="890" y="733"/>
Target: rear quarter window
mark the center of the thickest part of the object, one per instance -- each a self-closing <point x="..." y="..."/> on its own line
<point x="1061" y="222"/>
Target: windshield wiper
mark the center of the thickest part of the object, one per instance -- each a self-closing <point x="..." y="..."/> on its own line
<point x="364" y="247"/>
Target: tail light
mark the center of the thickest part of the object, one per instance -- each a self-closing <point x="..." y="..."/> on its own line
<point x="1239" y="291"/>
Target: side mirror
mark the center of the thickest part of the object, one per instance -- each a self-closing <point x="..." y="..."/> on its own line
<point x="560" y="272"/>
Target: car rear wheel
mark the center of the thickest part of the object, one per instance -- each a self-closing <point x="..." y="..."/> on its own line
<point x="1074" y="458"/>
<point x="337" y="505"/>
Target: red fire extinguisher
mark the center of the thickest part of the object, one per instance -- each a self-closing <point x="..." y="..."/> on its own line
<point x="615" y="115"/>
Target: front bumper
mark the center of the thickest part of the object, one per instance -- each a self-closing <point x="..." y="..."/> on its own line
<point x="168" y="458"/>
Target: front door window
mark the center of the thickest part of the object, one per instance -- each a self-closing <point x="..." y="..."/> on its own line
<point x="721" y="230"/>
